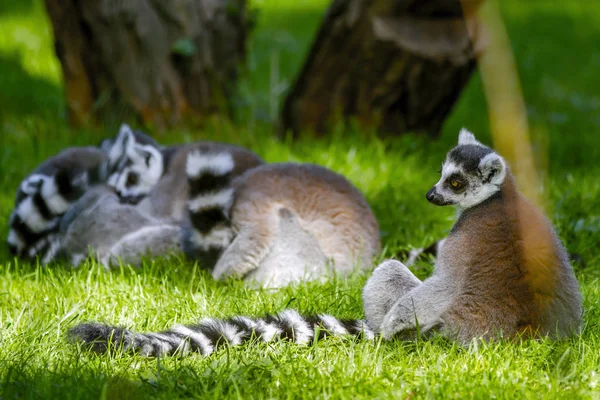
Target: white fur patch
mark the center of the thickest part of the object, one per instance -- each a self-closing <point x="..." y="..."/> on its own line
<point x="333" y="325"/>
<point x="221" y="237"/>
<point x="198" y="338"/>
<point x="449" y="168"/>
<point x="55" y="202"/>
<point x="31" y="184"/>
<point x="32" y="217"/>
<point x="413" y="255"/>
<point x="365" y="329"/>
<point x="77" y="259"/>
<point x="466" y="137"/>
<point x="228" y="331"/>
<point x="303" y="333"/>
<point x="267" y="331"/>
<point x="224" y="199"/>
<point x="218" y="164"/>
<point x="118" y="148"/>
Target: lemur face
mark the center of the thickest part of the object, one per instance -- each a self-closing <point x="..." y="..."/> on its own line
<point x="470" y="174"/>
<point x="134" y="167"/>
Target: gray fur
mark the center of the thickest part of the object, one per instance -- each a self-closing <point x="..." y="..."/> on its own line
<point x="108" y="229"/>
<point x="294" y="256"/>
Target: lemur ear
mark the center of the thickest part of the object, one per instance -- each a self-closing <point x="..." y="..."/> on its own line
<point x="119" y="146"/>
<point x="492" y="168"/>
<point x="466" y="137"/>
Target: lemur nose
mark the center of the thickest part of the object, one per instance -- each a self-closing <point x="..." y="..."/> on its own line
<point x="431" y="194"/>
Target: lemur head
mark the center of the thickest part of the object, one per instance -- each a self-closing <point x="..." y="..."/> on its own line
<point x="135" y="163"/>
<point x="470" y="174"/>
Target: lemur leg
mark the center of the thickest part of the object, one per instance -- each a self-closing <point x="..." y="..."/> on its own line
<point x="390" y="281"/>
<point x="245" y="253"/>
<point x="420" y="308"/>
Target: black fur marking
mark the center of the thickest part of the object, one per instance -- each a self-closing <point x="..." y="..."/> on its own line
<point x="65" y="186"/>
<point x="194" y="346"/>
<point x="314" y="321"/>
<point x="132" y="179"/>
<point x="287" y="331"/>
<point x="205" y="220"/>
<point x="468" y="156"/>
<point x="211" y="331"/>
<point x="27" y="235"/>
<point x="208" y="182"/>
<point x="432" y="249"/>
<point x="42" y="207"/>
<point x="20" y="197"/>
<point x="246" y="330"/>
<point x="12" y="250"/>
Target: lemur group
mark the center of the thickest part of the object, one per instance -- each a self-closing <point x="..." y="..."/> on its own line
<point x="502" y="273"/>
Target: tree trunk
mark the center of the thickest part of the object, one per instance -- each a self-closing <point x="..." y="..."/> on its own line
<point x="162" y="61"/>
<point x="396" y="65"/>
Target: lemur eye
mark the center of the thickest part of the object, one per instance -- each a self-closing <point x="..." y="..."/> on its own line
<point x="148" y="157"/>
<point x="454" y="183"/>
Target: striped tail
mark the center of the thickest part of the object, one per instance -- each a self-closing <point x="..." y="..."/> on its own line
<point x="206" y="336"/>
<point x="40" y="203"/>
<point x="210" y="200"/>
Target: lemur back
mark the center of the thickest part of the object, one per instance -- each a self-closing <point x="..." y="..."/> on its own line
<point x="294" y="222"/>
<point x="45" y="195"/>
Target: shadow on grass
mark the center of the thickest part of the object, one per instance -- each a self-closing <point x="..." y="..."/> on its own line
<point x="23" y="94"/>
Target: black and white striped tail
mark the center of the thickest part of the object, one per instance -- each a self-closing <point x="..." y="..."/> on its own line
<point x="40" y="202"/>
<point x="210" y="200"/>
<point x="207" y="335"/>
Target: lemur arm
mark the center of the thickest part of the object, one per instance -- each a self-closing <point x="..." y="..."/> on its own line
<point x="389" y="282"/>
<point x="422" y="307"/>
<point x="244" y="254"/>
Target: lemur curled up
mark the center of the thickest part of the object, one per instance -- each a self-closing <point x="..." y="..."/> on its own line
<point x="268" y="224"/>
<point x="502" y="272"/>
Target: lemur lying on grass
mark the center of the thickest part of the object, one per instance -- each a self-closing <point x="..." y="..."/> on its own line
<point x="269" y="224"/>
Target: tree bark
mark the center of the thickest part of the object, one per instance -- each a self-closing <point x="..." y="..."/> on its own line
<point x="396" y="65"/>
<point x="161" y="61"/>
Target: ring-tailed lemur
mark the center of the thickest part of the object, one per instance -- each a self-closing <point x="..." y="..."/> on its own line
<point x="147" y="210"/>
<point x="502" y="272"/>
<point x="291" y="222"/>
<point x="45" y="195"/>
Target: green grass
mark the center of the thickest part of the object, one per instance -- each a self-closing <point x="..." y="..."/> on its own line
<point x="555" y="44"/>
